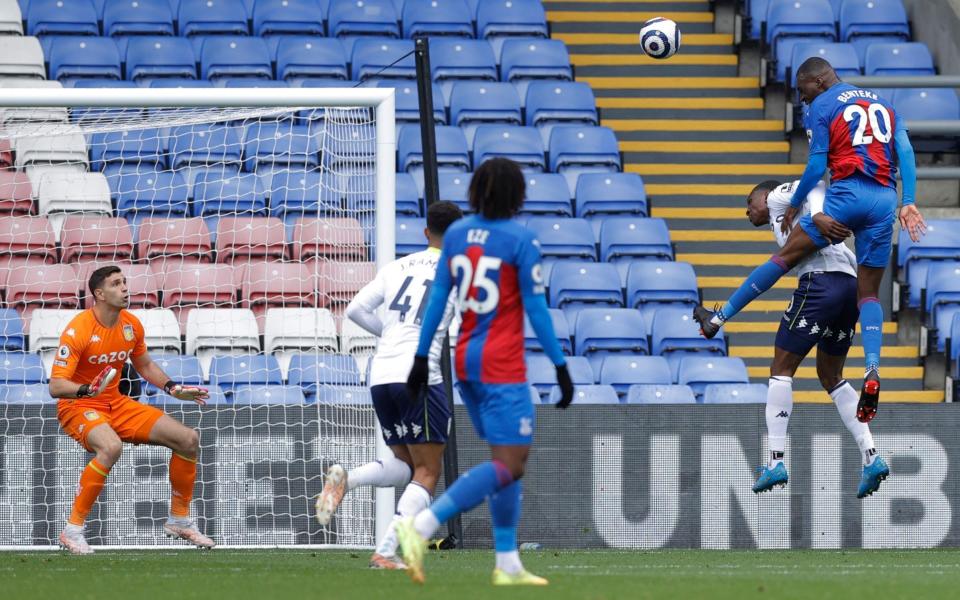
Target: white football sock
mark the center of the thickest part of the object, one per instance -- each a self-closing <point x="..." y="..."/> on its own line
<point x="389" y="472"/>
<point x="846" y="398"/>
<point x="509" y="562"/>
<point x="414" y="499"/>
<point x="779" y="407"/>
<point x="426" y="523"/>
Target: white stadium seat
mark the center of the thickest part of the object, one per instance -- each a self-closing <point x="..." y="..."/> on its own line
<point x="59" y="193"/>
<point x="21" y="57"/>
<point x="160" y="328"/>
<point x="228" y="331"/>
<point x="289" y="330"/>
<point x="46" y="144"/>
<point x="11" y="20"/>
<point x="32" y="114"/>
<point x="46" y="325"/>
<point x="356" y="340"/>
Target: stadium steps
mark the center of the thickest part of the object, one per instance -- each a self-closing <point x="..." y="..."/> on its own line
<point x="694" y="129"/>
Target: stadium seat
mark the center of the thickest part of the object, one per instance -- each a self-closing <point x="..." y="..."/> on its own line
<point x="581" y="149"/>
<point x="574" y="285"/>
<point x="338" y="283"/>
<point x="370" y="17"/>
<point x="906" y="58"/>
<point x="550" y="103"/>
<point x="181" y="238"/>
<point x="243" y="240"/>
<point x="150" y="193"/>
<point x="76" y="57"/>
<point x="941" y="242"/>
<point x="564" y="237"/>
<point x="289" y="330"/>
<point x="920" y="104"/>
<point x="792" y="23"/>
<point x="294" y="194"/>
<point x="560" y="328"/>
<point x="215" y="17"/>
<point x="182" y="369"/>
<point x="524" y="60"/>
<point x="46" y="327"/>
<point x="11" y="18"/>
<point x="452" y="150"/>
<point x="454" y="188"/>
<point x="841" y="56"/>
<point x="865" y="22"/>
<point x="941" y="295"/>
<point x="221" y="331"/>
<point x="457" y="59"/>
<point x="22" y="57"/>
<point x="204" y="145"/>
<point x="649" y="393"/>
<point x="161" y="329"/>
<point x="602" y="332"/>
<point x="67" y="147"/>
<point x="140" y="147"/>
<point x="32" y="393"/>
<point x="244" y="395"/>
<point x="409" y="235"/>
<point x="73" y="192"/>
<point x="233" y="56"/>
<point x="312" y="369"/>
<point x="436" y="18"/>
<point x="30" y="287"/>
<point x="474" y="103"/>
<point x="288" y="17"/>
<point x="18" y="368"/>
<point x="651" y="284"/>
<point x="735" y="393"/>
<point x="329" y="239"/>
<point x="155" y="57"/>
<point x="675" y="335"/>
<point x="356" y="340"/>
<point x="93" y="237"/>
<point x="518" y="143"/>
<point x="588" y="394"/>
<point x="130" y="17"/>
<point x="194" y="284"/>
<point x="408" y="196"/>
<point x="547" y="194"/>
<point x="300" y="58"/>
<point x="376" y="58"/>
<point x="542" y="374"/>
<point x="52" y="17"/>
<point x="502" y="18"/>
<point x="625" y="238"/>
<point x="11" y="331"/>
<point x="277" y="285"/>
<point x="408" y="102"/>
<point x="610" y="193"/>
<point x="622" y="371"/>
<point x="239" y="195"/>
<point x="29" y="238"/>
<point x="227" y="372"/>
<point x="700" y="371"/>
<point x="283" y="144"/>
<point x="343" y="394"/>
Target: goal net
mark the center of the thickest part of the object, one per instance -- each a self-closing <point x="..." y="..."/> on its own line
<point x="244" y="221"/>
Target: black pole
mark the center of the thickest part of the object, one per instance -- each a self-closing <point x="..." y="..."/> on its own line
<point x="431" y="194"/>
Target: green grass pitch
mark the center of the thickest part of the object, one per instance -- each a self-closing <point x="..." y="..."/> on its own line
<point x="465" y="575"/>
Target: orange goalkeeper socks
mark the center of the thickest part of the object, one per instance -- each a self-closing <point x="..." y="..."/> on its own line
<point x="91" y="482"/>
<point x="183" y="473"/>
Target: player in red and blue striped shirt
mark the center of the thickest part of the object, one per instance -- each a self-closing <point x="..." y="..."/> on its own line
<point x="494" y="265"/>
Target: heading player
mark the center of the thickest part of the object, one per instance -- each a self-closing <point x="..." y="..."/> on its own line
<point x="494" y="264"/>
<point x="823" y="312"/>
<point x="857" y="134"/>
<point x="415" y="432"/>
<point x="93" y="349"/>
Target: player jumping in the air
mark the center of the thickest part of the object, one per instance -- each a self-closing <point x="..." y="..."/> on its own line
<point x="857" y="135"/>
<point x="494" y="264"/>
<point x="91" y="409"/>
<point x="416" y="432"/>
<point x="823" y="312"/>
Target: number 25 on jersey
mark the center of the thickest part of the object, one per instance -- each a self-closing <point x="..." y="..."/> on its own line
<point x="482" y="280"/>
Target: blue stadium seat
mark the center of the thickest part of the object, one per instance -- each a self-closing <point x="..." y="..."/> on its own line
<point x="841" y="56"/>
<point x="282" y="143"/>
<point x="550" y="103"/>
<point x="518" y="143"/>
<point x="126" y="17"/>
<point x="700" y="371"/>
<point x="625" y="238"/>
<point x="542" y="374"/>
<point x="215" y="398"/>
<point x="941" y="242"/>
<point x="374" y="57"/>
<point x="216" y="17"/>
<point x="52" y="17"/>
<point x="622" y="371"/>
<point x="204" y="144"/>
<point x="370" y="17"/>
<point x="78" y="57"/>
<point x="436" y="17"/>
<point x="560" y="328"/>
<point x="33" y="393"/>
<point x="154" y="57"/>
<point x="267" y="394"/>
<point x="942" y="291"/>
<point x="524" y="60"/>
<point x="583" y="149"/>
<point x="158" y="193"/>
<point x="11" y="330"/>
<point x="649" y="393"/>
<point x="452" y="152"/>
<point x="655" y="283"/>
<point x="408" y="101"/>
<point x="243" y="82"/>
<point x="301" y="58"/>
<point x="563" y="237"/>
<point x="454" y="187"/>
<point x="602" y="332"/>
<point x="953" y="351"/>
<point x="474" y="103"/>
<point x="235" y="56"/>
<point x="588" y="395"/>
<point x="295" y="194"/>
<point x="801" y="21"/>
<point x="409" y="236"/>
<point x="227" y="372"/>
<point x="757" y="12"/>
<point x="500" y="18"/>
<point x="183" y="369"/>
<point x="19" y="367"/>
<point x="138" y="146"/>
<point x="408" y="196"/>
<point x="861" y="20"/>
<point x="920" y="104"/>
<point x="905" y="58"/>
<point x="309" y="370"/>
<point x="288" y="17"/>
<point x="547" y="194"/>
<point x="457" y="59"/>
<point x="735" y="393"/>
<point x="179" y="82"/>
<point x="575" y="285"/>
<point x="610" y="193"/>
<point x="342" y="394"/>
<point x="240" y="195"/>
<point x="675" y="335"/>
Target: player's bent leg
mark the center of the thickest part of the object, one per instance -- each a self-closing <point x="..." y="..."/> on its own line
<point x="107" y="447"/>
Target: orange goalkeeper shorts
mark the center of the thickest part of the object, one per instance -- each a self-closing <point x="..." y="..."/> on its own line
<point x="131" y="420"/>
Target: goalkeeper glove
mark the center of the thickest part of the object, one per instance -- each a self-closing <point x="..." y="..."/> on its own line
<point x="419" y="374"/>
<point x="99" y="383"/>
<point x="187" y="393"/>
<point x="566" y="387"/>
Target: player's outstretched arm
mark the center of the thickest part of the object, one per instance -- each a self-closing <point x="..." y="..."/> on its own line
<point x="812" y="174"/>
<point x="152" y="372"/>
<point x="910" y="218"/>
<point x="432" y="316"/>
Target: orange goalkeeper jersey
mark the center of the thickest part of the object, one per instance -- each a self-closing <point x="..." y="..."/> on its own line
<point x="87" y="347"/>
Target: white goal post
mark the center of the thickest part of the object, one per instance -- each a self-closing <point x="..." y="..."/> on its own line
<point x="260" y="463"/>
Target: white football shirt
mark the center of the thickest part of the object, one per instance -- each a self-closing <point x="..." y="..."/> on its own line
<point x="834" y="258"/>
<point x="400" y="290"/>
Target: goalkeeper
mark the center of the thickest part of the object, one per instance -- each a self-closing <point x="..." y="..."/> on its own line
<point x="91" y="409"/>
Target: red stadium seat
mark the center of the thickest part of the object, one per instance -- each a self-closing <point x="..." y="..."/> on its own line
<point x="335" y="239"/>
<point x="28" y="237"/>
<point x="30" y="287"/>
<point x="6" y="154"/>
<point x="250" y="239"/>
<point x="142" y="283"/>
<point x="270" y="285"/>
<point x="16" y="192"/>
<point x="189" y="285"/>
<point x="180" y="238"/>
<point x="94" y="237"/>
<point x="338" y="283"/>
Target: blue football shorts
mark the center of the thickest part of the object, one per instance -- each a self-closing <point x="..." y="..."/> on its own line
<point x="501" y="413"/>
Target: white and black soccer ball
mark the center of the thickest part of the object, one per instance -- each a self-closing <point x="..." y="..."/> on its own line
<point x="660" y="38"/>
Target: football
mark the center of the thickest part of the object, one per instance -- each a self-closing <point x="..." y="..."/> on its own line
<point x="660" y="38"/>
